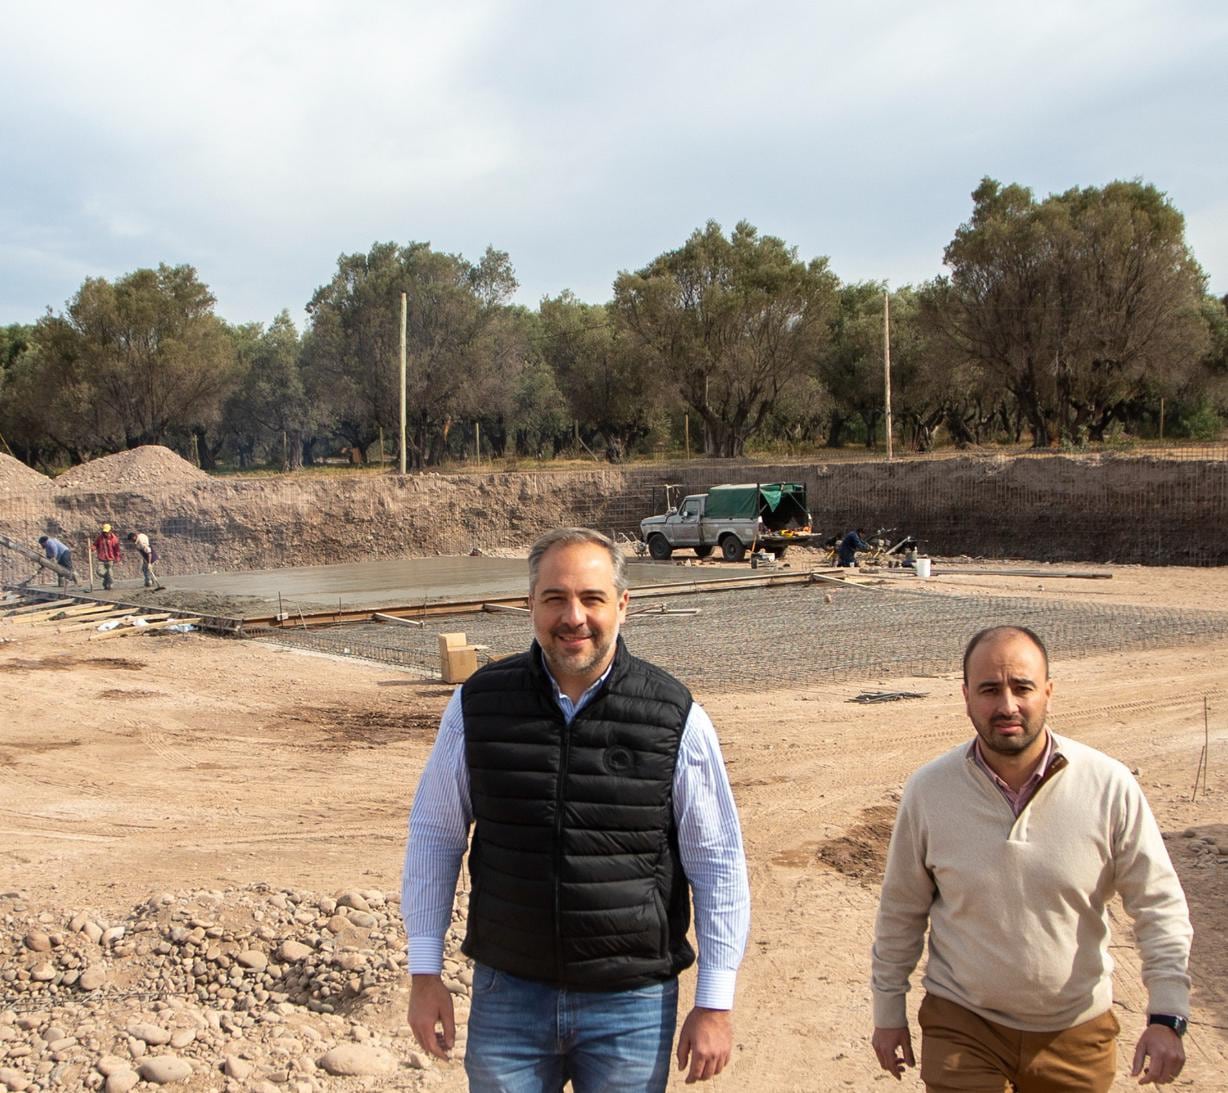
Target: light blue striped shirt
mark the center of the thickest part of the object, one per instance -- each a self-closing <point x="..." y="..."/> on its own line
<point x="709" y="845"/>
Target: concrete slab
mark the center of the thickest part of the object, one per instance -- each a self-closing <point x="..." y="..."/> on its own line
<point x="388" y="583"/>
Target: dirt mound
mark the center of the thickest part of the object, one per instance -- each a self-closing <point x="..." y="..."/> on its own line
<point x="149" y="465"/>
<point x="861" y="852"/>
<point x="16" y="477"/>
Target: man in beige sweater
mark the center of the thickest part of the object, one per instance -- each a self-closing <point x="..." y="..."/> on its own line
<point x="1010" y="847"/>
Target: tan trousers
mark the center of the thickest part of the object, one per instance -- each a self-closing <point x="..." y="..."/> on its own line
<point x="964" y="1053"/>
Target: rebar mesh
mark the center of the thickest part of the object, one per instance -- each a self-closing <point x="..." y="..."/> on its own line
<point x="747" y="640"/>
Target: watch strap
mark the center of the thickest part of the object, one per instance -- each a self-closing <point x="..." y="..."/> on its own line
<point x="1168" y="1020"/>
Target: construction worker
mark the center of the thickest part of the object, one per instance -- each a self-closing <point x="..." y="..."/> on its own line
<point x="61" y="555"/>
<point x="148" y="556"/>
<point x="846" y="552"/>
<point x="107" y="550"/>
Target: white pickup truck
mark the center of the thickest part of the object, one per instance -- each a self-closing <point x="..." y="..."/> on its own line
<point x="732" y="519"/>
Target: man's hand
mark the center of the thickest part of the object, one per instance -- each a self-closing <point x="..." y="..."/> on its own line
<point x="430" y="1007"/>
<point x="893" y="1046"/>
<point x="1163" y="1048"/>
<point x="706" y="1040"/>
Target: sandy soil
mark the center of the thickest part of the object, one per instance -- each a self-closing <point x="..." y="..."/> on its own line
<point x="140" y="765"/>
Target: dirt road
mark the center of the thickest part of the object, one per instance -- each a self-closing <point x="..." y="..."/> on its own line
<point x="139" y="766"/>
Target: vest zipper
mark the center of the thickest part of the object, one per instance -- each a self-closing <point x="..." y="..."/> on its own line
<point x="558" y="845"/>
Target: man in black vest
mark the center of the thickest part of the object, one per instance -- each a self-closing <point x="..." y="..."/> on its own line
<point x="599" y="805"/>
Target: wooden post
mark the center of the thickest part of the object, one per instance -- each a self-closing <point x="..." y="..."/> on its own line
<point x="381" y="447"/>
<point x="404" y="323"/>
<point x="887" y="367"/>
<point x="686" y="432"/>
<point x="477" y="442"/>
<point x="1161" y="417"/>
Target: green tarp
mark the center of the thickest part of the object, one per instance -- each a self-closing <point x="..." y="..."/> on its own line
<point x="748" y="500"/>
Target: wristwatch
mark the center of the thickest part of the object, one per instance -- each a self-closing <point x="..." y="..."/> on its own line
<point x="1177" y="1024"/>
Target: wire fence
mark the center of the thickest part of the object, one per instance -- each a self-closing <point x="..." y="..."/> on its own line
<point x="799" y="635"/>
<point x="1153" y="510"/>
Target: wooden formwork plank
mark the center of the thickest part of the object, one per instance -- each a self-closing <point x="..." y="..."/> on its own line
<point x="81" y="622"/>
<point x="92" y="608"/>
<point x="43" y="605"/>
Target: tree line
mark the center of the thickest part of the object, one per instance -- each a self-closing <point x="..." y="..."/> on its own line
<point x="1062" y="321"/>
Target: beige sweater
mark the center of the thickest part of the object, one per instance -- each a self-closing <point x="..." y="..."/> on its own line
<point x="1016" y="908"/>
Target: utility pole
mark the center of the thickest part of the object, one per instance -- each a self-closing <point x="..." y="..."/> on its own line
<point x="887" y="366"/>
<point x="404" y="319"/>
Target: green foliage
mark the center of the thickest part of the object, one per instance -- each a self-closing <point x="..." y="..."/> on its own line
<point x="1079" y="305"/>
<point x="270" y="410"/>
<point x="128" y="363"/>
<point x="459" y="352"/>
<point x="733" y="322"/>
<point x="1200" y="422"/>
<point x="607" y="374"/>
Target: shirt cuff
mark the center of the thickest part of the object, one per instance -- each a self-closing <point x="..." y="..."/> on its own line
<point x="1169" y="996"/>
<point x="714" y="988"/>
<point x="425" y="955"/>
<point x="890" y="1011"/>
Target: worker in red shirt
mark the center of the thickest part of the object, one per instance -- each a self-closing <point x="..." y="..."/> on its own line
<point x="106" y="547"/>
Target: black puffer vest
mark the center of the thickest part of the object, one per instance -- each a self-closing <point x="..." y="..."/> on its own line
<point x="576" y="879"/>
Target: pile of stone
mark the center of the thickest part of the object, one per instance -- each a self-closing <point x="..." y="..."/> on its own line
<point x="16" y="477"/>
<point x="1209" y="850"/>
<point x="149" y="465"/>
<point x="253" y="988"/>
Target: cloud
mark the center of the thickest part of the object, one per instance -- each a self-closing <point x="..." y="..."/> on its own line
<point x="259" y="141"/>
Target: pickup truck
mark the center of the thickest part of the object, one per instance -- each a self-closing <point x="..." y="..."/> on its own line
<point x="733" y="519"/>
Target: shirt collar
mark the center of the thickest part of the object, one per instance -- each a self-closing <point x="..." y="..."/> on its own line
<point x="977" y="754"/>
<point x="569" y="708"/>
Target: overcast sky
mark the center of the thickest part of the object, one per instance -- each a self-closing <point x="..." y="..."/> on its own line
<point x="258" y="140"/>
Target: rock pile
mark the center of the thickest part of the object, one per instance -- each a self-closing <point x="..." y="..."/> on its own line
<point x="253" y="988"/>
<point x="150" y="465"/>
<point x="16" y="477"/>
<point x="1208" y="850"/>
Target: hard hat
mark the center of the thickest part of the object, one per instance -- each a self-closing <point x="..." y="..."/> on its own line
<point x="106" y="527"/>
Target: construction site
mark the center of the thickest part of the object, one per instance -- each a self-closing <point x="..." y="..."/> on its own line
<point x="204" y="787"/>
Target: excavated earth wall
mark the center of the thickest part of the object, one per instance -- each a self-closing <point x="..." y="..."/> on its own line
<point x="1049" y="508"/>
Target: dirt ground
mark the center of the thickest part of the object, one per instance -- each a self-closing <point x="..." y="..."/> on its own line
<point x="135" y="766"/>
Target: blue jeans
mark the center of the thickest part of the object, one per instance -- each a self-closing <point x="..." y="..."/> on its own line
<point x="530" y="1037"/>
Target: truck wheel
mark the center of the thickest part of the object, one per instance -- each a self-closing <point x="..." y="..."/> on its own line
<point x="659" y="548"/>
<point x="732" y="549"/>
<point x="703" y="551"/>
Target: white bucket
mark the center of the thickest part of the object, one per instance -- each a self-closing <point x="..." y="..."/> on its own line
<point x="922" y="566"/>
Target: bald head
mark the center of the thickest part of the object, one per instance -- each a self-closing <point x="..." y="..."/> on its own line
<point x="993" y="633"/>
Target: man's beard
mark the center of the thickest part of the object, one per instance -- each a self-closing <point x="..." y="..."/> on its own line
<point x="581" y="661"/>
<point x="1010" y="745"/>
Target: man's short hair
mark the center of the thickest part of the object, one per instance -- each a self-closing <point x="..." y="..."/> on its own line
<point x="993" y="631"/>
<point x="577" y="536"/>
<point x="42" y="539"/>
